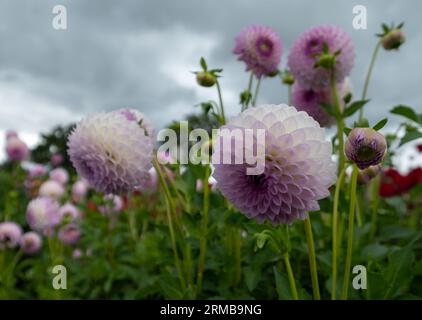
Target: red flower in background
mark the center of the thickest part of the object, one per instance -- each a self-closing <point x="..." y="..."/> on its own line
<point x="419" y="147"/>
<point x="393" y="183"/>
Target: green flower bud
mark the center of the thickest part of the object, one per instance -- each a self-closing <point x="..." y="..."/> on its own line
<point x="206" y="79"/>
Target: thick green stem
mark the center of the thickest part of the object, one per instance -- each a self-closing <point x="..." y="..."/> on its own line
<point x="220" y="98"/>
<point x="352" y="209"/>
<point x="204" y="230"/>
<point x="335" y="234"/>
<point x="312" y="258"/>
<point x="171" y="212"/>
<point x="368" y="76"/>
<point x="255" y="96"/>
<point x="340" y="122"/>
<point x="291" y="277"/>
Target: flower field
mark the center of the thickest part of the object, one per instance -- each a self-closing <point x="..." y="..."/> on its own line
<point x="290" y="200"/>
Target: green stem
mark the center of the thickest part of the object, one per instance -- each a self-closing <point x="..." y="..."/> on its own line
<point x="289" y="94"/>
<point x="335" y="234"/>
<point x="245" y="105"/>
<point x="171" y="212"/>
<point x="255" y="96"/>
<point x="352" y="209"/>
<point x="374" y="205"/>
<point x="368" y="76"/>
<point x="204" y="231"/>
<point x="291" y="277"/>
<point x="340" y="122"/>
<point x="312" y="258"/>
<point x="220" y="98"/>
<point x="237" y="248"/>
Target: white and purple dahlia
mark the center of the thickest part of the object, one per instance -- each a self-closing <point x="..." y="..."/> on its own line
<point x="60" y="175"/>
<point x="260" y="48"/>
<point x="309" y="46"/>
<point x="68" y="212"/>
<point x="30" y="242"/>
<point x="51" y="189"/>
<point x="10" y="234"/>
<point x="297" y="172"/>
<point x="112" y="151"/>
<point x="42" y="214"/>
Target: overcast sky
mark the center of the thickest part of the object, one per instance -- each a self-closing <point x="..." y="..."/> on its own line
<point x="139" y="54"/>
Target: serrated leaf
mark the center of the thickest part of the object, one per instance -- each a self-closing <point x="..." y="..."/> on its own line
<point x="380" y="124"/>
<point x="355" y="106"/>
<point x="407" y="112"/>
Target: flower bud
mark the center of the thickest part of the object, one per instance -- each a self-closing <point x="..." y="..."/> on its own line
<point x="393" y="39"/>
<point x="288" y="79"/>
<point x="366" y="175"/>
<point x="366" y="147"/>
<point x="205" y="79"/>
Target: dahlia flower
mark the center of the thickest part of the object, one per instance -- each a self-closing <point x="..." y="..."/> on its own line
<point x="56" y="159"/>
<point x="366" y="147"/>
<point x="393" y="40"/>
<point x="10" y="233"/>
<point x="260" y="48"/>
<point x="11" y="134"/>
<point x="114" y="204"/>
<point x="79" y="190"/>
<point x="51" y="189"/>
<point x="69" y="234"/>
<point x="60" y="175"/>
<point x="309" y="46"/>
<point x="298" y="169"/>
<point x="42" y="214"/>
<point x="310" y="101"/>
<point x="68" y="212"/>
<point x="112" y="151"/>
<point x="16" y="149"/>
<point x="30" y="242"/>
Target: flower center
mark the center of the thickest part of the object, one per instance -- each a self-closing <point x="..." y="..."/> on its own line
<point x="365" y="153"/>
<point x="313" y="48"/>
<point x="265" y="46"/>
<point x="257" y="180"/>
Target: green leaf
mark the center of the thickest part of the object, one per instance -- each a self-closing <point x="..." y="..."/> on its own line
<point x="347" y="131"/>
<point x="380" y="124"/>
<point x="252" y="278"/>
<point x="410" y="136"/>
<point x="282" y="285"/>
<point x="355" y="106"/>
<point x="407" y="112"/>
<point x="203" y="64"/>
<point x="329" y="109"/>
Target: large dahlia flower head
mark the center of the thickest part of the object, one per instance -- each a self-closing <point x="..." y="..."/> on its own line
<point x="305" y="51"/>
<point x="260" y="48"/>
<point x="113" y="151"/>
<point x="298" y="166"/>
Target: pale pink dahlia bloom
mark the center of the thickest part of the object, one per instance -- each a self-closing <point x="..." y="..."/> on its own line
<point x="42" y="214"/>
<point x="60" y="175"/>
<point x="69" y="234"/>
<point x="16" y="149"/>
<point x="260" y="48"/>
<point x="305" y="51"/>
<point x="79" y="190"/>
<point x="30" y="242"/>
<point x="10" y="234"/>
<point x="51" y="189"/>
<point x="68" y="212"/>
<point x="112" y="151"/>
<point x="298" y="166"/>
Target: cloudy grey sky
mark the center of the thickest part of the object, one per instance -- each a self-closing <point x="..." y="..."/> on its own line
<point x="139" y="53"/>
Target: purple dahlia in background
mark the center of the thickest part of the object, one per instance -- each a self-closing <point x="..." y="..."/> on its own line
<point x="310" y="101"/>
<point x="79" y="190"/>
<point x="60" y="175"/>
<point x="298" y="167"/>
<point x="260" y="48"/>
<point x="10" y="234"/>
<point x="68" y="212"/>
<point x="30" y="242"/>
<point x="365" y="146"/>
<point x="309" y="46"/>
<point x="69" y="234"/>
<point x="16" y="149"/>
<point x="112" y="151"/>
<point x="42" y="214"/>
<point x="51" y="189"/>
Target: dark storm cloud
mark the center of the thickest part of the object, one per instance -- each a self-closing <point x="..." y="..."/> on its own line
<point x="139" y="53"/>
